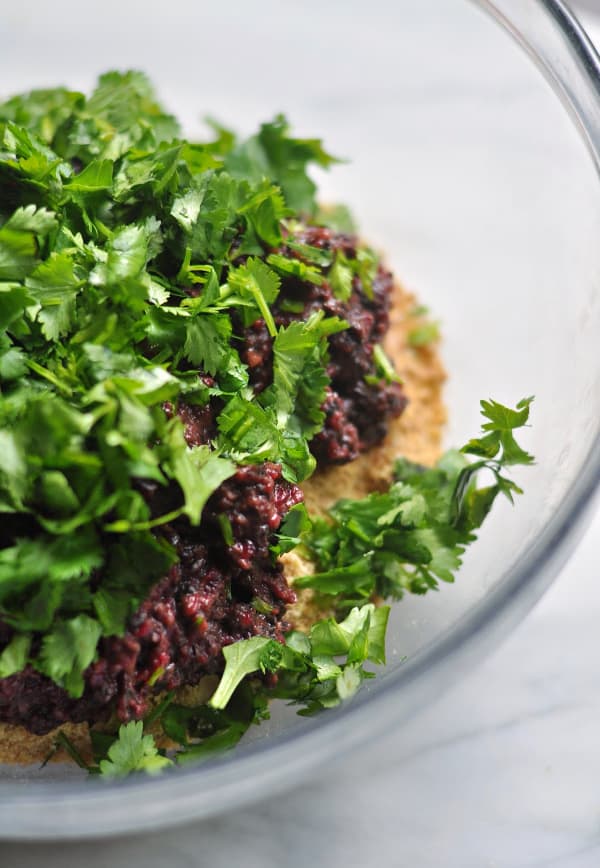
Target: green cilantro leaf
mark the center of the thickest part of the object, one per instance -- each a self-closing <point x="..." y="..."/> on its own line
<point x="133" y="752"/>
<point x="207" y="342"/>
<point x="199" y="472"/>
<point x="54" y="285"/>
<point x="257" y="283"/>
<point x="340" y="277"/>
<point x="306" y="666"/>
<point x="293" y="527"/>
<point x="97" y="175"/>
<point x="15" y="655"/>
<point x="273" y="154"/>
<point x="68" y="650"/>
<point x="241" y="659"/>
<point x="426" y="333"/>
<point x="299" y="377"/>
<point x="295" y="268"/>
<point x="412" y="536"/>
<point x="20" y="238"/>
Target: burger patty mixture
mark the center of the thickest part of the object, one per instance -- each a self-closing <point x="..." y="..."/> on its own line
<point x="228" y="586"/>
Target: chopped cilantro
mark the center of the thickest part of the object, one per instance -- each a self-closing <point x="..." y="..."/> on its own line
<point x="294" y="525"/>
<point x="309" y="667"/>
<point x="273" y="154"/>
<point x="68" y="650"/>
<point x="14" y="657"/>
<point x="133" y="752"/>
<point x="337" y="217"/>
<point x="387" y="544"/>
<point x="384" y="366"/>
<point x="340" y="277"/>
<point x="130" y="261"/>
<point x="426" y="333"/>
<point x="412" y="536"/>
<point x="129" y="258"/>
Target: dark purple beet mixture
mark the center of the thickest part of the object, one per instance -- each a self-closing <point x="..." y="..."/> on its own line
<point x="217" y="594"/>
<point x="357" y="414"/>
<point x="214" y="596"/>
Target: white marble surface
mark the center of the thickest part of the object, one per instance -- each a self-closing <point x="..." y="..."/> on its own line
<point x="502" y="772"/>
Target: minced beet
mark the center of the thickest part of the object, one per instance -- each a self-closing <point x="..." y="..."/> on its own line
<point x="359" y="405"/>
<point x="225" y="585"/>
<point x="216" y="594"/>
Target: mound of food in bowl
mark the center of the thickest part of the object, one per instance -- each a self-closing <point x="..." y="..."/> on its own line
<point x="220" y="435"/>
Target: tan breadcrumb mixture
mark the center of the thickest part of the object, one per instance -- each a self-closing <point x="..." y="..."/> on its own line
<point x="22" y="747"/>
<point x="416" y="435"/>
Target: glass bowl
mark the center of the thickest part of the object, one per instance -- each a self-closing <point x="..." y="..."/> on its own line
<point x="466" y="168"/>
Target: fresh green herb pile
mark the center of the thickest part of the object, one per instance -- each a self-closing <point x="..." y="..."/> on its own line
<point x="404" y="540"/>
<point x="107" y="218"/>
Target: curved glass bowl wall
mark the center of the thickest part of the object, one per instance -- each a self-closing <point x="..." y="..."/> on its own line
<point x="466" y="169"/>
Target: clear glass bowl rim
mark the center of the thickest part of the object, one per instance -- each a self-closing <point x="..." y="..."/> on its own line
<point x="75" y="810"/>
